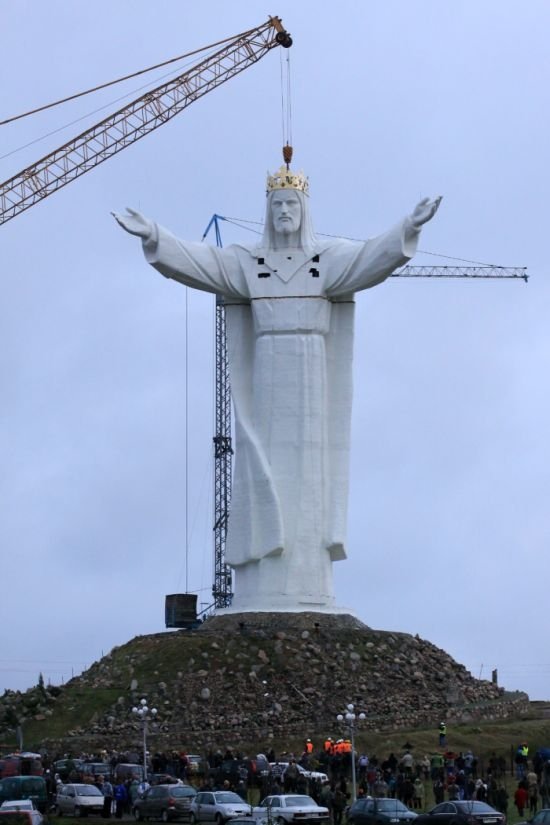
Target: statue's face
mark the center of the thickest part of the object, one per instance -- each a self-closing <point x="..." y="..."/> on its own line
<point x="286" y="211"/>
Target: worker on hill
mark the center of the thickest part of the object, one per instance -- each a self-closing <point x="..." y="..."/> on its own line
<point x="308" y="748"/>
<point x="521" y="760"/>
<point x="442" y="734"/>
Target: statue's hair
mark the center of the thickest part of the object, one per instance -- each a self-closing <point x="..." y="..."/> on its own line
<point x="308" y="238"/>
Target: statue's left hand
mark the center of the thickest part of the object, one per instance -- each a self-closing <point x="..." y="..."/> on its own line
<point x="424" y="211"/>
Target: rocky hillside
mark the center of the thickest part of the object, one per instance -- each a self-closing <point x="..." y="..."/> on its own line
<point x="255" y="678"/>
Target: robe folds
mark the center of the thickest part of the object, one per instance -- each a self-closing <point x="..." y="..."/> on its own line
<point x="289" y="321"/>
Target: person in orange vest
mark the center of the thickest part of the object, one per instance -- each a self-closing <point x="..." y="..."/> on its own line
<point x="308" y="747"/>
<point x="328" y="747"/>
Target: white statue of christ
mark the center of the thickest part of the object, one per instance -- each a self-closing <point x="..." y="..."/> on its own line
<point x="289" y="318"/>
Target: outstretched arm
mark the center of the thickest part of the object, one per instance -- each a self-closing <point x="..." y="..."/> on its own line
<point x="373" y="261"/>
<point x="135" y="223"/>
<point x="197" y="265"/>
<point x="424" y="211"/>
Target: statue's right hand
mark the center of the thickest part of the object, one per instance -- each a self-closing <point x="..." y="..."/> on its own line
<point x="135" y="223"/>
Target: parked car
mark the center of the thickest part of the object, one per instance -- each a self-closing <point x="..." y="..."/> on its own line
<point x="27" y="805"/>
<point x="17" y="805"/>
<point x="465" y="811"/>
<point x="279" y="768"/>
<point x="164" y="802"/>
<point x="232" y="770"/>
<point x="25" y="763"/>
<point x="25" y="787"/>
<point x="540" y="818"/>
<point x="78" y="799"/>
<point x="163" y="779"/>
<point x="18" y="817"/>
<point x="66" y="767"/>
<point x="379" y="811"/>
<point x="218" y="806"/>
<point x="95" y="769"/>
<point x="287" y="808"/>
<point x="127" y="770"/>
<point x="245" y="820"/>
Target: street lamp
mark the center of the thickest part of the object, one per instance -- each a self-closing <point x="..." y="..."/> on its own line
<point x="142" y="711"/>
<point x="350" y="719"/>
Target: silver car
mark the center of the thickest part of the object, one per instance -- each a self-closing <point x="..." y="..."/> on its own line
<point x="218" y="806"/>
<point x="284" y="809"/>
<point x="78" y="800"/>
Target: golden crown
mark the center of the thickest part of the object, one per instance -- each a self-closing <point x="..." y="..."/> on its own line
<point x="285" y="178"/>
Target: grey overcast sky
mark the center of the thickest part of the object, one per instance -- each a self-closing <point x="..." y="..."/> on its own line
<point x="104" y="416"/>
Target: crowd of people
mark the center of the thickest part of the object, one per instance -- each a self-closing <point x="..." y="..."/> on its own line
<point x="414" y="780"/>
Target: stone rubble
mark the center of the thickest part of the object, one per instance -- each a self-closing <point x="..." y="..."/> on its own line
<point x="260" y="677"/>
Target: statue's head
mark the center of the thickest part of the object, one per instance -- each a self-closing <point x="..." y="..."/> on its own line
<point x="287" y="219"/>
<point x="286" y="211"/>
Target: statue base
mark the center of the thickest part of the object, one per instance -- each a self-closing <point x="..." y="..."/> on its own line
<point x="300" y="607"/>
<point x="230" y="621"/>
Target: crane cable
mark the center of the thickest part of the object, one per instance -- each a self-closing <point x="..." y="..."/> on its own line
<point x="240" y="223"/>
<point x="122" y="79"/>
<point x="286" y="97"/>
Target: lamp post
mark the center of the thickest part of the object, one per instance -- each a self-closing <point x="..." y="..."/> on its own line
<point x="142" y="711"/>
<point x="350" y="719"/>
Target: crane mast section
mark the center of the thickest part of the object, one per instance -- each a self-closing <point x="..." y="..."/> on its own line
<point x="133" y="121"/>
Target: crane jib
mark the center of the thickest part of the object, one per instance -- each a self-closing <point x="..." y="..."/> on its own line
<point x="132" y="122"/>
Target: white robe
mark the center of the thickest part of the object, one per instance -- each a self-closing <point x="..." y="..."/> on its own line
<point x="289" y="319"/>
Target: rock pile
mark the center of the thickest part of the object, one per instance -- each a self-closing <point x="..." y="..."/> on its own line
<point x="266" y="676"/>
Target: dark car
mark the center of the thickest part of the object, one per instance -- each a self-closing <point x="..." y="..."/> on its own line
<point x="25" y="787"/>
<point x="21" y="764"/>
<point x="462" y="812"/>
<point x="67" y="768"/>
<point x="95" y="769"/>
<point x="127" y="770"/>
<point x="162" y="779"/>
<point x="540" y="818"/>
<point x="164" y="802"/>
<point x="379" y="811"/>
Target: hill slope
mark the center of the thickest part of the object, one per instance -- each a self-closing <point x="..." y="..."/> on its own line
<point x="259" y="677"/>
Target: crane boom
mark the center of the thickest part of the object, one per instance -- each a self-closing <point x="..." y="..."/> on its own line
<point x="137" y="119"/>
<point x="481" y="271"/>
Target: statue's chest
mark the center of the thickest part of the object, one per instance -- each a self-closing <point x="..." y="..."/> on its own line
<point x="285" y="276"/>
